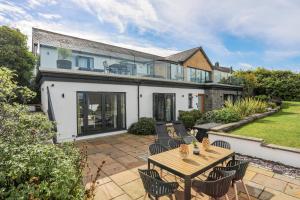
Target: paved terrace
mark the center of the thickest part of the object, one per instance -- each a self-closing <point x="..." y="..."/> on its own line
<point x="125" y="153"/>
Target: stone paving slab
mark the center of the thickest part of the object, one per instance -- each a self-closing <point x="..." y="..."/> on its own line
<point x="125" y="154"/>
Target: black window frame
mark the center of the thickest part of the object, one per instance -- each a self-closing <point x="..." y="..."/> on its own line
<point x="173" y="114"/>
<point x="105" y="130"/>
<point x="190" y="100"/>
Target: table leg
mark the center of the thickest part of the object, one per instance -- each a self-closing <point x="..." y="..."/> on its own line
<point x="187" y="188"/>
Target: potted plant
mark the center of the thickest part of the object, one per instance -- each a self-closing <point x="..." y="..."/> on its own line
<point x="63" y="60"/>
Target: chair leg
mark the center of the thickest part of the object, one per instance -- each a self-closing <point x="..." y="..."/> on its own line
<point x="235" y="191"/>
<point x="245" y="187"/>
<point x="226" y="197"/>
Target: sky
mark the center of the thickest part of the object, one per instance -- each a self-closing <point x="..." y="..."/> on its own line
<point x="244" y="34"/>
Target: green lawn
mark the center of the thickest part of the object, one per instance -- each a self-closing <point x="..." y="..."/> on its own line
<point x="282" y="128"/>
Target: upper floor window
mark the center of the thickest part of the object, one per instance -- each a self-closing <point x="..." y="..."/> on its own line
<point x="177" y="72"/>
<point x="84" y="62"/>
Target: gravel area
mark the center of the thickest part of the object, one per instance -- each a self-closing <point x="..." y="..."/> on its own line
<point x="276" y="167"/>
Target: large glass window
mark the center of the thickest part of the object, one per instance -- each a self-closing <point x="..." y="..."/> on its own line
<point x="100" y="111"/>
<point x="197" y="75"/>
<point x="177" y="72"/>
<point x="164" y="106"/>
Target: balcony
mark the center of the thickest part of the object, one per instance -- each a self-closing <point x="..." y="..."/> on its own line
<point x="119" y="64"/>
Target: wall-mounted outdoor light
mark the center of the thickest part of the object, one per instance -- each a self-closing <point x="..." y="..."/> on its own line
<point x="63" y="95"/>
<point x="141" y="95"/>
<point x="52" y="85"/>
<point x="182" y="95"/>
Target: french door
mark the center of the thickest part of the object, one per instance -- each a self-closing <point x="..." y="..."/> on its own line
<point x="100" y="112"/>
<point x="164" y="107"/>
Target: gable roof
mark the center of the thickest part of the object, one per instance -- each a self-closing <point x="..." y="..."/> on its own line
<point x="185" y="55"/>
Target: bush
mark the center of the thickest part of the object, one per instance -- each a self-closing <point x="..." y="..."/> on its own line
<point x="189" y="118"/>
<point x="226" y="115"/>
<point x="262" y="97"/>
<point x="188" y="121"/>
<point x="145" y="126"/>
<point x="207" y="117"/>
<point x="31" y="167"/>
<point x="247" y="106"/>
<point x="40" y="171"/>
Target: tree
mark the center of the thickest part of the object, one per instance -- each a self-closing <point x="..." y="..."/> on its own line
<point x="15" y="55"/>
<point x="249" y="81"/>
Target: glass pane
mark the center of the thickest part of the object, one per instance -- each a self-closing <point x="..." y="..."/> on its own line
<point x="94" y="117"/>
<point x="169" y="108"/>
<point x="122" y="111"/>
<point x="111" y="111"/>
<point x="80" y="106"/>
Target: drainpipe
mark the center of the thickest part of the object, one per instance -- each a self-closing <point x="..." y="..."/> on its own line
<point x="138" y="98"/>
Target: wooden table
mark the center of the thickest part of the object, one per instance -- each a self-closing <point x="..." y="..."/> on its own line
<point x="192" y="166"/>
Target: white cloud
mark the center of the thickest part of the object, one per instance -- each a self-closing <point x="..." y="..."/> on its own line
<point x="16" y="16"/>
<point x="49" y="16"/>
<point x="36" y="3"/>
<point x="122" y="13"/>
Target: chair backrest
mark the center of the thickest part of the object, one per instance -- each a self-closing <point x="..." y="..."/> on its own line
<point x="152" y="183"/>
<point x="217" y="183"/>
<point x="162" y="134"/>
<point x="240" y="166"/>
<point x="180" y="129"/>
<point x="175" y="143"/>
<point x="221" y="143"/>
<point x="156" y="148"/>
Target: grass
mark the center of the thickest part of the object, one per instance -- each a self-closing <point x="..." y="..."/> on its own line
<point x="282" y="128"/>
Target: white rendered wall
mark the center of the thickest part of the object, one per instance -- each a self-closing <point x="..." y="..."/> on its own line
<point x="65" y="109"/>
<point x="255" y="149"/>
<point x="146" y="101"/>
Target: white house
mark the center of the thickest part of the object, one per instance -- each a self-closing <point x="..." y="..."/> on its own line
<point x="92" y="89"/>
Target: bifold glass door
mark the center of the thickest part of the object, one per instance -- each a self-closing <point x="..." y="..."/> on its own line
<point x="164" y="106"/>
<point x="100" y="112"/>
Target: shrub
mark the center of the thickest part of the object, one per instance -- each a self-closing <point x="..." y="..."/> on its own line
<point x="262" y="97"/>
<point x="31" y="167"/>
<point x="189" y="118"/>
<point x="226" y="115"/>
<point x="188" y="121"/>
<point x="272" y="105"/>
<point x="207" y="117"/>
<point x="40" y="171"/>
<point x="247" y="106"/>
<point x="145" y="126"/>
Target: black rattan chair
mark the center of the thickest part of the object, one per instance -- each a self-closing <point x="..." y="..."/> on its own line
<point x="240" y="166"/>
<point x="216" y="185"/>
<point x="162" y="134"/>
<point x="155" y="186"/>
<point x="221" y="143"/>
<point x="182" y="132"/>
<point x="156" y="148"/>
<point x="175" y="143"/>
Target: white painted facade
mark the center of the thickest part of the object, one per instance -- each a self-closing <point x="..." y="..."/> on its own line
<point x="64" y="102"/>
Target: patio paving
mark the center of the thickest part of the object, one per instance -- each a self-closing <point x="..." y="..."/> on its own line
<point x="125" y="154"/>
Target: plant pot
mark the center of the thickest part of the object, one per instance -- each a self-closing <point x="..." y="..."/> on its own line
<point x="196" y="150"/>
<point x="64" y="64"/>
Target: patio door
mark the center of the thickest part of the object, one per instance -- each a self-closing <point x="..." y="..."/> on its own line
<point x="99" y="112"/>
<point x="164" y="106"/>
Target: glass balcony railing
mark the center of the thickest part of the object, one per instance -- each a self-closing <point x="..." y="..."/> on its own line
<point x="119" y="64"/>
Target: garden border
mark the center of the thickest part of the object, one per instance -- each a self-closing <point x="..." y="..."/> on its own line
<point x="246" y="120"/>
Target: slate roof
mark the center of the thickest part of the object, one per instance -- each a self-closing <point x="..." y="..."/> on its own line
<point x="48" y="38"/>
<point x="222" y="69"/>
<point x="53" y="39"/>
